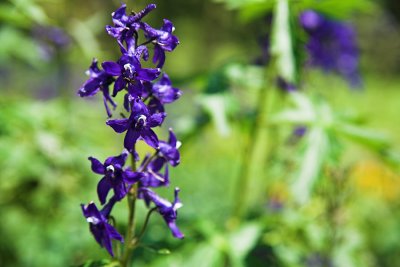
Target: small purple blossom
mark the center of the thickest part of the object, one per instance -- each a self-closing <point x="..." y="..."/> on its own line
<point x="152" y="173"/>
<point x="169" y="150"/>
<point x="124" y="25"/>
<point x="331" y="46"/>
<point x="115" y="177"/>
<point x="129" y="72"/>
<point x="99" y="80"/>
<point x="139" y="124"/>
<point x="164" y="91"/>
<point x="166" y="209"/>
<point x="102" y="231"/>
<point x="163" y="40"/>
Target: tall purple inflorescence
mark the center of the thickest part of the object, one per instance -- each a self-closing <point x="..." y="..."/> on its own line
<point x="331" y="46"/>
<point x="146" y="91"/>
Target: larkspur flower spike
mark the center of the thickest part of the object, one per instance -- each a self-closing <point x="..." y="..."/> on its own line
<point x="331" y="46"/>
<point x="146" y="91"/>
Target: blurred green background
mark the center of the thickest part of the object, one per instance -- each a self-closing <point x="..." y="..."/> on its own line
<point x="47" y="132"/>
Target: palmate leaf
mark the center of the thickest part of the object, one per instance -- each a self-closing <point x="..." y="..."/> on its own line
<point x="322" y="143"/>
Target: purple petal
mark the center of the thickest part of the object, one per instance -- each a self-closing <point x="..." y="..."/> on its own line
<point x="119" y="126"/>
<point x="143" y="13"/>
<point x="89" y="88"/>
<point x="135" y="89"/>
<point x="111" y="68"/>
<point x="97" y="166"/>
<point x="175" y="230"/>
<point x="91" y="210"/>
<point x="120" y="189"/>
<point x="119" y="85"/>
<point x="168" y="26"/>
<point x="165" y="80"/>
<point x="159" y="56"/>
<point x="131" y="177"/>
<point x="156" y="119"/>
<point x="138" y="107"/>
<point x="148" y="74"/>
<point x="114" y="233"/>
<point x="118" y="160"/>
<point x="130" y="138"/>
<point x="172" y="138"/>
<point x="106" y="242"/>
<point x="103" y="187"/>
<point x="149" y="137"/>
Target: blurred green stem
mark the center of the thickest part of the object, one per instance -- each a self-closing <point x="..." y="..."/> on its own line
<point x="242" y="185"/>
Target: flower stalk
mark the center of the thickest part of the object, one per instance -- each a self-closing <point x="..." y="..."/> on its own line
<point x="146" y="92"/>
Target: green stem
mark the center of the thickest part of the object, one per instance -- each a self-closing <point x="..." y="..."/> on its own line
<point x="146" y="222"/>
<point x="130" y="233"/>
<point x="243" y="182"/>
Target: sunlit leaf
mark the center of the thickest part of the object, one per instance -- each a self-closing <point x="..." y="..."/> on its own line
<point x="316" y="150"/>
<point x="242" y="241"/>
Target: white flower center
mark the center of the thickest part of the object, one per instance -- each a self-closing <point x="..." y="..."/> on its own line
<point x="110" y="168"/>
<point x="93" y="220"/>
<point x="128" y="66"/>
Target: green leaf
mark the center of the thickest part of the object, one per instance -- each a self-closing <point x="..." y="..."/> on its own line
<point x="99" y="263"/>
<point x="242" y="241"/>
<point x="303" y="113"/>
<point x="236" y="4"/>
<point x="317" y="148"/>
<point x="217" y="105"/>
<point x="205" y="255"/>
<point x="363" y="136"/>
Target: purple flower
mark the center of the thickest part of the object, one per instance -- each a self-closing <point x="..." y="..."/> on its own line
<point x="99" y="80"/>
<point x="115" y="177"/>
<point x="167" y="209"/>
<point x="169" y="150"/>
<point x="152" y="173"/>
<point x="138" y="124"/>
<point x="129" y="72"/>
<point x="102" y="231"/>
<point x="164" y="91"/>
<point x="125" y="25"/>
<point x="331" y="46"/>
<point x="163" y="40"/>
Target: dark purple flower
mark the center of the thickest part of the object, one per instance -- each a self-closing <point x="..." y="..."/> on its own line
<point x="169" y="150"/>
<point x="138" y="124"/>
<point x="167" y="209"/>
<point x="152" y="173"/>
<point x="163" y="40"/>
<point x="129" y="72"/>
<point x="124" y="25"/>
<point x="102" y="231"/>
<point x="99" y="81"/>
<point x="115" y="177"/>
<point x="331" y="46"/>
<point x="164" y="91"/>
